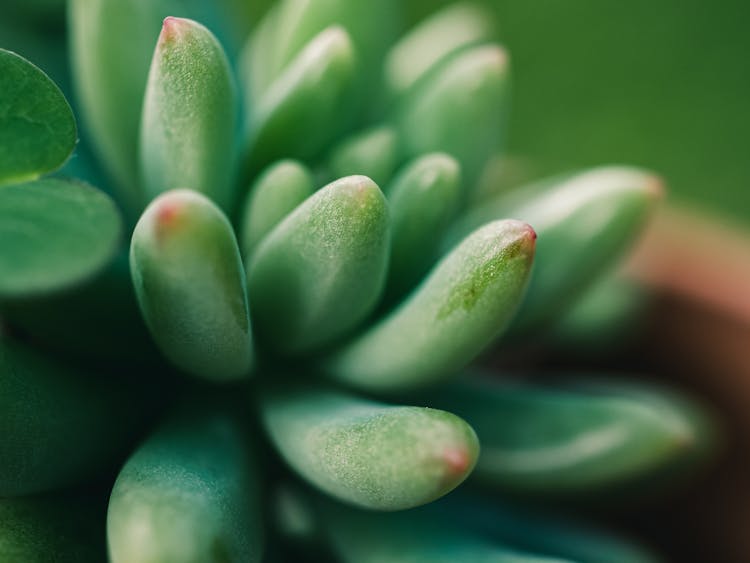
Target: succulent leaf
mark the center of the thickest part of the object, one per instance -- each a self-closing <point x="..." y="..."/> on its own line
<point x="55" y="234"/>
<point x="459" y="108"/>
<point x="61" y="528"/>
<point x="112" y="43"/>
<point x="190" y="285"/>
<point x="423" y="198"/>
<point x="293" y="118"/>
<point x="575" y="435"/>
<point x="586" y="220"/>
<point x="189" y="493"/>
<point x="372" y="153"/>
<point x="461" y="307"/>
<point x="535" y="531"/>
<point x="37" y="128"/>
<point x="320" y="272"/>
<point x="292" y="24"/>
<point x="59" y="426"/>
<point x="432" y="40"/>
<point x="188" y="128"/>
<point x="276" y="193"/>
<point x="366" y="453"/>
<point x="418" y="536"/>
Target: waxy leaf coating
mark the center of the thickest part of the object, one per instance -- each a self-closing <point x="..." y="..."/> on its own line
<point x="189" y="125"/>
<point x="321" y="270"/>
<point x="189" y="493"/>
<point x="584" y="222"/>
<point x="461" y="307"/>
<point x="366" y="453"/>
<point x="112" y="44"/>
<point x="37" y="128"/>
<point x="190" y="285"/>
<point x="55" y="234"/>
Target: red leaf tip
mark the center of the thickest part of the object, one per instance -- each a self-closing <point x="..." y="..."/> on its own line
<point x="457" y="461"/>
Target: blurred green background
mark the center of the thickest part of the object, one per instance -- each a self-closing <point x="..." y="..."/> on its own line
<point x="662" y="84"/>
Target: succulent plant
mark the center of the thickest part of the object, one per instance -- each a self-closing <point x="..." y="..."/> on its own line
<point x="305" y="248"/>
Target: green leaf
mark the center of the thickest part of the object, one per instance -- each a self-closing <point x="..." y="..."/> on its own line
<point x="372" y="153"/>
<point x="188" y="128"/>
<point x="189" y="493"/>
<point x="443" y="33"/>
<point x="423" y="198"/>
<point x="292" y="24"/>
<point x="459" y="108"/>
<point x="37" y="128"/>
<point x="307" y="97"/>
<point x="112" y="44"/>
<point x="603" y="320"/>
<point x="54" y="234"/>
<point x="61" y="426"/>
<point x="585" y="222"/>
<point x="576" y="435"/>
<point x="461" y="308"/>
<point x="417" y="536"/>
<point x="535" y="531"/>
<point x="97" y="320"/>
<point x="276" y="193"/>
<point x="190" y="286"/>
<point x="320" y="272"/>
<point x="60" y="528"/>
<point x="366" y="453"/>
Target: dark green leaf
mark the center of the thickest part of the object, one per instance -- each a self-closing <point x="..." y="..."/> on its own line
<point x="37" y="128"/>
<point x="54" y="234"/>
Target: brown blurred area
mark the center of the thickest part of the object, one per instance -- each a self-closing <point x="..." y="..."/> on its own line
<point x="698" y="337"/>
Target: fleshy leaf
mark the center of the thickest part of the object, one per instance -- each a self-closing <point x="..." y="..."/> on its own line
<point x="190" y="285"/>
<point x="322" y="269"/>
<point x="417" y="536"/>
<point x="112" y="43"/>
<point x="441" y="34"/>
<point x="423" y="198"/>
<point x="538" y="531"/>
<point x="460" y="308"/>
<point x="372" y="153"/>
<point x="366" y="453"/>
<point x="37" y="128"/>
<point x="575" y="435"/>
<point x="292" y="24"/>
<point x="189" y="493"/>
<point x="65" y="528"/>
<point x="188" y="129"/>
<point x="585" y="222"/>
<point x="459" y="109"/>
<point x="274" y="195"/>
<point x="60" y="426"/>
<point x="306" y="97"/>
<point x="54" y="234"/>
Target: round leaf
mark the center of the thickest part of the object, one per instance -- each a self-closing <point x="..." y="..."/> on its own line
<point x="54" y="234"/>
<point x="37" y="128"/>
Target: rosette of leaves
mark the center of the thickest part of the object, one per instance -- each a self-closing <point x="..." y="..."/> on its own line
<point x="295" y="250"/>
